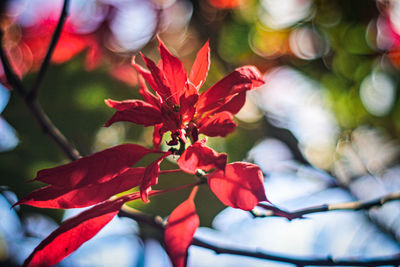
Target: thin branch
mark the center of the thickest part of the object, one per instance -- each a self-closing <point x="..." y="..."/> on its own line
<point x="154" y="221"/>
<point x="158" y="223"/>
<point x="35" y="108"/>
<point x="355" y="205"/>
<point x="170" y="171"/>
<point x="49" y="128"/>
<point x="300" y="261"/>
<point x="54" y="40"/>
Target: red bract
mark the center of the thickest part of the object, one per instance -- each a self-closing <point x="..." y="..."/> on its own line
<point x="198" y="156"/>
<point x="240" y="186"/>
<point x="74" y="232"/>
<point x="83" y="196"/>
<point x="89" y="180"/>
<point x="176" y="104"/>
<point x="151" y="177"/>
<point x="182" y="223"/>
<point x="99" y="167"/>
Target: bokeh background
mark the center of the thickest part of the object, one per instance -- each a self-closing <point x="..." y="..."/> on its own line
<point x="325" y="128"/>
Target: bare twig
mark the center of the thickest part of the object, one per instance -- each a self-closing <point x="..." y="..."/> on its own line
<point x="301" y="261"/>
<point x="158" y="223"/>
<point x="355" y="205"/>
<point x="37" y="112"/>
<point x="154" y="221"/>
<point x="54" y="40"/>
<point x="49" y="128"/>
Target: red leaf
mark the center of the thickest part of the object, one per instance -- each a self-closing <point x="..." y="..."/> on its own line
<point x="173" y="71"/>
<point x="97" y="168"/>
<point x="136" y="111"/>
<point x="199" y="156"/>
<point x="241" y="79"/>
<point x="187" y="103"/>
<point x="145" y="74"/>
<point x="147" y="95"/>
<point x="241" y="186"/>
<point x="253" y="74"/>
<point x="178" y="235"/>
<point x="73" y="233"/>
<point x="219" y="124"/>
<point x="161" y="84"/>
<point x="83" y="196"/>
<point x="200" y="67"/>
<point x="233" y="104"/>
<point x="150" y="176"/>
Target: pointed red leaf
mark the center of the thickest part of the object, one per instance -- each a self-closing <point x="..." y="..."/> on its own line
<point x="145" y="74"/>
<point x="136" y="111"/>
<point x="199" y="156"/>
<point x="150" y="176"/>
<point x="188" y="110"/>
<point x="187" y="103"/>
<point x="200" y="67"/>
<point x="233" y="104"/>
<point x="253" y="74"/>
<point x="241" y="186"/>
<point x="173" y="70"/>
<point x="147" y="95"/>
<point x="241" y="79"/>
<point x="83" y="196"/>
<point x="219" y="124"/>
<point x="161" y="83"/>
<point x="97" y="168"/>
<point x="178" y="235"/>
<point x="73" y="233"/>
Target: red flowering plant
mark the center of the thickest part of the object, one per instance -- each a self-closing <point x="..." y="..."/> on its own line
<point x="174" y="105"/>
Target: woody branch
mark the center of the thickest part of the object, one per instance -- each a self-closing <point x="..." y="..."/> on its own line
<point x="271" y="211"/>
<point x="158" y="223"/>
<point x="30" y="97"/>
<point x="46" y="61"/>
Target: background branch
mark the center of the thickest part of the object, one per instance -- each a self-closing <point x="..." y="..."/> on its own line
<point x="158" y="223"/>
<point x="30" y="98"/>
<point x="54" y="40"/>
<point x="298" y="214"/>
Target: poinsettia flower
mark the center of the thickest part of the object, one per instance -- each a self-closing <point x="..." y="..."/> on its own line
<point x="176" y="104"/>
